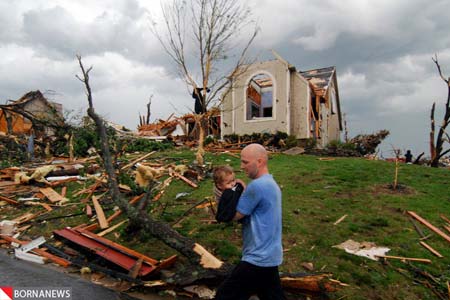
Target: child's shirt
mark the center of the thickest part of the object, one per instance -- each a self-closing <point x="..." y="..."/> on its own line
<point x="228" y="201"/>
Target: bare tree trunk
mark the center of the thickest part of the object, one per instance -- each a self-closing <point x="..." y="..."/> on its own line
<point x="148" y="110"/>
<point x="440" y="139"/>
<point x="432" y="146"/>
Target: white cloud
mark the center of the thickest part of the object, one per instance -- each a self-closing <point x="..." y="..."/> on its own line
<point x="382" y="51"/>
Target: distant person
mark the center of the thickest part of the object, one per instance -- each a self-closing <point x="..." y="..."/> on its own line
<point x="199" y="107"/>
<point x="262" y="251"/>
<point x="408" y="157"/>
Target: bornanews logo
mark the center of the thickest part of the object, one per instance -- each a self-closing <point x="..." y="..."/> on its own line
<point x="6" y="293"/>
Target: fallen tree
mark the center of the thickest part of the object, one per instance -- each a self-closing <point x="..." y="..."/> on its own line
<point x="204" y="264"/>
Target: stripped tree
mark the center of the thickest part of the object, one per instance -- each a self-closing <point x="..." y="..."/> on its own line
<point x="437" y="145"/>
<point x="212" y="39"/>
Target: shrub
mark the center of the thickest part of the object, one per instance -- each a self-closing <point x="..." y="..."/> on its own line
<point x="144" y="145"/>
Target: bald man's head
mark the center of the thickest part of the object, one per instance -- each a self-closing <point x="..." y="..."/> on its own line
<point x="256" y="151"/>
<point x="254" y="160"/>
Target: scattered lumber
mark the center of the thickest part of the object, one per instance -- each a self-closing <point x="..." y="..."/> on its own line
<point x="429" y="225"/>
<point x="58" y="260"/>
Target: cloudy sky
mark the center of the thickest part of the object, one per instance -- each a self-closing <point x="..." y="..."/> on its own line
<point x="382" y="51"/>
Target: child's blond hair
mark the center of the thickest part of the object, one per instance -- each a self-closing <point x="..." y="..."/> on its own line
<point x="220" y="172"/>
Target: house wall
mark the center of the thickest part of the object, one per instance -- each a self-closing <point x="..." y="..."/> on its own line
<point x="20" y="125"/>
<point x="234" y="105"/>
<point x="299" y="106"/>
<point x="39" y="108"/>
<point x="333" y="118"/>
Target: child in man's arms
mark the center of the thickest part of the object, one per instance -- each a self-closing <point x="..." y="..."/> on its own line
<point x="227" y="190"/>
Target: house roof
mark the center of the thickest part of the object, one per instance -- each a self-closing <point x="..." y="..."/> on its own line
<point x="30" y="96"/>
<point x="319" y="78"/>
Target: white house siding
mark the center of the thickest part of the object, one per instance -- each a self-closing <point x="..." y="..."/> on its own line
<point x="277" y="71"/>
<point x="299" y="106"/>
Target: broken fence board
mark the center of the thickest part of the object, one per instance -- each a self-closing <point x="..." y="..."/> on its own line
<point x="429" y="225"/>
<point x="100" y="214"/>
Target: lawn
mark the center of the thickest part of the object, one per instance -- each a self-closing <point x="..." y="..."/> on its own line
<point x="316" y="193"/>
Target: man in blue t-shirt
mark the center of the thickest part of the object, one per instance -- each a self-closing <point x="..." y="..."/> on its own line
<point x="262" y="253"/>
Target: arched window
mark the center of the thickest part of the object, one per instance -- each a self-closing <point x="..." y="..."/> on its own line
<point x="259" y="103"/>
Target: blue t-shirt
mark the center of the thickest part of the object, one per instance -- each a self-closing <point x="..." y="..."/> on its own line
<point x="261" y="203"/>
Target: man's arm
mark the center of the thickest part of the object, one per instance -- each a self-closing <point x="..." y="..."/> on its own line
<point x="238" y="216"/>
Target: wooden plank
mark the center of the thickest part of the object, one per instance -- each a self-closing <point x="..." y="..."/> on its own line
<point x="88" y="210"/>
<point x="46" y="206"/>
<point x="207" y="260"/>
<point x="185" y="179"/>
<point x="52" y="195"/>
<point x="447" y="228"/>
<point x="340" y="219"/>
<point x="10" y="201"/>
<point x="424" y="260"/>
<point x="117" y="213"/>
<point x="136" y="161"/>
<point x="112" y="228"/>
<point x="429" y="248"/>
<point x="100" y="214"/>
<point x="116" y="246"/>
<point x="64" y="191"/>
<point x="429" y="225"/>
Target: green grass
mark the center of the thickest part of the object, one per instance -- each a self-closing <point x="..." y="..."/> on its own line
<point x="316" y="193"/>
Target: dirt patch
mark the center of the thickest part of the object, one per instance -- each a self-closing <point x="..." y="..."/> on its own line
<point x="389" y="189"/>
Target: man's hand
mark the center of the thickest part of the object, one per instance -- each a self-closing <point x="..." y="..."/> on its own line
<point x="238" y="216"/>
<point x="241" y="182"/>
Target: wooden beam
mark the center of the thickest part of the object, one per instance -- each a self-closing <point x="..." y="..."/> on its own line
<point x="112" y="228"/>
<point x="100" y="214"/>
<point x="136" y="161"/>
<point x="10" y="201"/>
<point x="340" y="219"/>
<point x="424" y="260"/>
<point x="192" y="184"/>
<point x="429" y="225"/>
<point x="429" y="248"/>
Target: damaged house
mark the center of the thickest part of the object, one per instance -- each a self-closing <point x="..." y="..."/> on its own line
<point x="32" y="110"/>
<point x="274" y="96"/>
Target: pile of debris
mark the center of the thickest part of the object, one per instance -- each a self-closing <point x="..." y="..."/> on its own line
<point x="72" y="198"/>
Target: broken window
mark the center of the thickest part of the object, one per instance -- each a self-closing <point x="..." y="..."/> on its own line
<point x="259" y="95"/>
